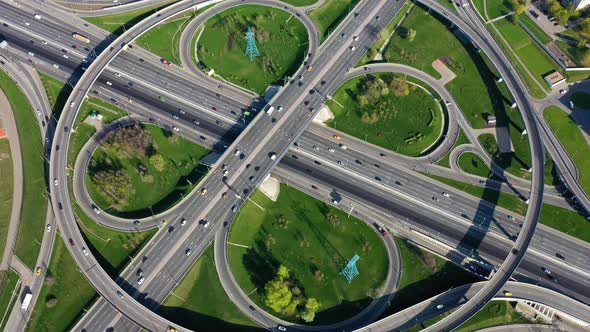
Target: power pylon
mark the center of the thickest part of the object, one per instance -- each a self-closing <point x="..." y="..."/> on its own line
<point x="251" y="49"/>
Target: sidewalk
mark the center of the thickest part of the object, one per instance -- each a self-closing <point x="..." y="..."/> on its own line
<point x="8" y="122"/>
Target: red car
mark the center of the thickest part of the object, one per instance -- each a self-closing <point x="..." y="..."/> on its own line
<point x="382" y="230"/>
<point x="166" y="62"/>
<point x="214" y="108"/>
<point x="71" y="242"/>
<point x="306" y="102"/>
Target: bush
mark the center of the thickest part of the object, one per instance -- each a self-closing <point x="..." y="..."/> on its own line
<point x="51" y="301"/>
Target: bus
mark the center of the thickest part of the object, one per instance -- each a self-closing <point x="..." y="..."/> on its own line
<point x="81" y="38"/>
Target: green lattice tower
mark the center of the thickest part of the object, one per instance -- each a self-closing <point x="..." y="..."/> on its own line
<point x="251" y="49"/>
<point x="350" y="271"/>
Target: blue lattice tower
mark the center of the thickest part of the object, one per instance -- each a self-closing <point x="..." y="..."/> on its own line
<point x="251" y="49"/>
<point x="350" y="271"/>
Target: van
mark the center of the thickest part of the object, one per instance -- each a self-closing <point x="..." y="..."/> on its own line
<point x="270" y="110"/>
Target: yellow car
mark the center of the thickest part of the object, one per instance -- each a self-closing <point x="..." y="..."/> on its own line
<point x="507" y="293"/>
<point x="309" y="68"/>
<point x="204" y="191"/>
<point x="39" y="271"/>
<point x="337" y="137"/>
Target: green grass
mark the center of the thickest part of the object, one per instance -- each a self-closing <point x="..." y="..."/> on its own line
<point x="34" y="205"/>
<point x="448" y="4"/>
<point x="408" y="125"/>
<point x="280" y="38"/>
<point x="117" y="23"/>
<point x="472" y="163"/>
<point x="517" y="162"/>
<point x="479" y="7"/>
<point x="300" y="3"/>
<point x="8" y="282"/>
<point x="575" y="54"/>
<point x="329" y="15"/>
<point x="494" y="313"/>
<point x="581" y="100"/>
<point x="57" y="93"/>
<point x="497" y="8"/>
<point x="314" y="249"/>
<point x="200" y="302"/>
<point x="575" y="76"/>
<point x="476" y="78"/>
<point x="461" y="139"/>
<point x="6" y="190"/>
<point x="536" y="60"/>
<point x="423" y="276"/>
<point x="68" y="285"/>
<point x="566" y="129"/>
<point x="563" y="220"/>
<point x="111" y="248"/>
<point x="160" y="189"/>
<point x="383" y="36"/>
<point x="535" y="29"/>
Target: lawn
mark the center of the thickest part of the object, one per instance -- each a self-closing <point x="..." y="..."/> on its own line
<point x="68" y="285"/>
<point x="535" y="29"/>
<point x="563" y="220"/>
<point x="314" y="241"/>
<point x="111" y="248"/>
<point x="497" y="8"/>
<point x="517" y="162"/>
<point x="117" y="23"/>
<point x="8" y="281"/>
<point x="6" y="191"/>
<point x="423" y="276"/>
<point x="209" y="311"/>
<point x="281" y="39"/>
<point x="329" y="15"/>
<point x="57" y="93"/>
<point x="461" y="139"/>
<point x="300" y="3"/>
<point x="34" y="205"/>
<point x="537" y="61"/>
<point x="175" y="172"/>
<point x="581" y="100"/>
<point x="494" y="313"/>
<point x="575" y="53"/>
<point x="383" y="36"/>
<point x="407" y="124"/>
<point x="566" y="129"/>
<point x="472" y="163"/>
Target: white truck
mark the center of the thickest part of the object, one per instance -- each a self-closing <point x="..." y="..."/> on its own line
<point x="268" y="109"/>
<point x="26" y="301"/>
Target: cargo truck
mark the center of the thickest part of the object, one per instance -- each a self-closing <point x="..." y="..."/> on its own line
<point x="26" y="301"/>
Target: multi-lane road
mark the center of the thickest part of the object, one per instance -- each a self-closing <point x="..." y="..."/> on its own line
<point x="294" y="96"/>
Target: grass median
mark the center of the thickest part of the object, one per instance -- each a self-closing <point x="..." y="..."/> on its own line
<point x="386" y="110"/>
<point x="330" y="14"/>
<point x="6" y="191"/>
<point x="118" y="23"/>
<point x="314" y="241"/>
<point x="570" y="136"/>
<point x="34" y="204"/>
<point x="280" y="37"/>
<point x="472" y="163"/>
<point x="200" y="302"/>
<point x="8" y="294"/>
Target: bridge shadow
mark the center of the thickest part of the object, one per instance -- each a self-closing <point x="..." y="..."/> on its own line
<point x="201" y="322"/>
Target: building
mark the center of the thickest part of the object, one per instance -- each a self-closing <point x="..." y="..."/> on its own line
<point x="578" y="4"/>
<point x="490" y="119"/>
<point x="554" y="78"/>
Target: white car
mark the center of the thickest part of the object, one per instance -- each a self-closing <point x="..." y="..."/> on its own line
<point x="237" y="152"/>
<point x="206" y="224"/>
<point x="43" y="42"/>
<point x="27" y="23"/>
<point x="85" y="252"/>
<point x="109" y="83"/>
<point x="331" y="150"/>
<point x="117" y="74"/>
<point x="280" y="109"/>
<point x="446" y="194"/>
<point x="273" y="156"/>
<point x="72" y="104"/>
<point x="182" y="222"/>
<point x="188" y="252"/>
<point x="440" y="306"/>
<point x="140" y="281"/>
<point x="48" y="228"/>
<point x="281" y="328"/>
<point x="55" y="65"/>
<point x="176" y="129"/>
<point x="37" y="16"/>
<point x="343" y="147"/>
<point x="352" y="48"/>
<point x="55" y="181"/>
<point x="65" y="56"/>
<point x="31" y="54"/>
<point x="182" y="111"/>
<point x="562" y="91"/>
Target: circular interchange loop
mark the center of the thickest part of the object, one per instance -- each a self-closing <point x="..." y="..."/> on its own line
<point x="144" y="317"/>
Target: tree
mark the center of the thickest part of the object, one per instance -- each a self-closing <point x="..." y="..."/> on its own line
<point x="518" y="6"/>
<point x="585" y="59"/>
<point x="585" y="26"/>
<point x="562" y="16"/>
<point x="311" y="308"/>
<point x="278" y="295"/>
<point x="283" y="273"/>
<point x="411" y="34"/>
<point x="51" y="301"/>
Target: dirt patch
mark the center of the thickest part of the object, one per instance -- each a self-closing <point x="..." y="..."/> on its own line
<point x="440" y="66"/>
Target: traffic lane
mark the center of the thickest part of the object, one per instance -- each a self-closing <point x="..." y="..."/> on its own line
<point x="470" y="237"/>
<point x="463" y="205"/>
